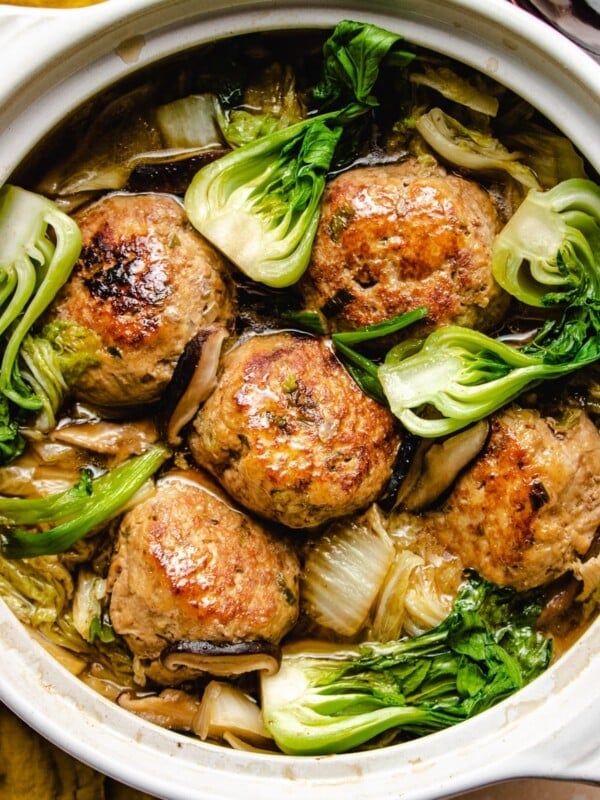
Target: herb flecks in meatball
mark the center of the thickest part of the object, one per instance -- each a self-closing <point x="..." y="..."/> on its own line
<point x="290" y="435"/>
<point x="395" y="237"/>
<point x="146" y="283"/>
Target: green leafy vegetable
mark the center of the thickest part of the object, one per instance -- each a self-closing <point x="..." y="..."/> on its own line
<point x="38" y="510"/>
<point x="190" y="123"/>
<point x="260" y="203"/>
<point x="468" y="92"/>
<point x="52" y="360"/>
<point x="548" y="253"/>
<point x="270" y="104"/>
<point x="352" y="56"/>
<point x="12" y="442"/>
<point x="77" y="512"/>
<point x="332" y="701"/>
<point x="39" y="245"/>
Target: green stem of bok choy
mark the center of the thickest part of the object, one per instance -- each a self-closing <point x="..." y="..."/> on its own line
<point x="76" y="512"/>
<point x="39" y="246"/>
<point x="463" y="374"/>
<point x="259" y="204"/>
<point x="331" y="701"/>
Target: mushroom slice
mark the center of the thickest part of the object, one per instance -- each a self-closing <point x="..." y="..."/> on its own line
<point x="172" y="708"/>
<point x="223" y="659"/>
<point x="194" y="379"/>
<point x="120" y="439"/>
<point x="437" y="466"/>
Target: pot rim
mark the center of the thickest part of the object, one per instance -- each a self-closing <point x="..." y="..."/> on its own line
<point x="50" y="55"/>
<point x="549" y="728"/>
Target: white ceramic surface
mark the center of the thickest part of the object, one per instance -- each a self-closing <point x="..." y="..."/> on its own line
<point x="49" y="63"/>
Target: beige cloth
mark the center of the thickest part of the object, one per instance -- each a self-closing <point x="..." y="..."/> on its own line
<point x="33" y="769"/>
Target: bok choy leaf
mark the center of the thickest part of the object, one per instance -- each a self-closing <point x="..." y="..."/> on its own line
<point x="461" y="374"/>
<point x="39" y="245"/>
<point x="78" y="511"/>
<point x="331" y="701"/>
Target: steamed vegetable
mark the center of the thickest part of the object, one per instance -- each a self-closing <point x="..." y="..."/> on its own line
<point x="549" y="251"/>
<point x="457" y="376"/>
<point x="268" y="106"/>
<point x="551" y="156"/>
<point x="464" y="91"/>
<point x="364" y="371"/>
<point x="74" y="513"/>
<point x="38" y="248"/>
<point x="12" y="442"/>
<point x="52" y="360"/>
<point x="125" y="135"/>
<point x="344" y="571"/>
<point x="330" y="701"/>
<point x="260" y="203"/>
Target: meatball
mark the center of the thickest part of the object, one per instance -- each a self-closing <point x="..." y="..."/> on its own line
<point x="395" y="237"/>
<point x="146" y="283"/>
<point x="529" y="507"/>
<point x="289" y="434"/>
<point x="189" y="566"/>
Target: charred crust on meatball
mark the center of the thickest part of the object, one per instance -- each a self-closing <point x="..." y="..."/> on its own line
<point x="146" y="283"/>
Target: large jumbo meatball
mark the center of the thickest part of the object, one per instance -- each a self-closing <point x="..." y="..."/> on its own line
<point x="290" y="435"/>
<point x="146" y="283"/>
<point x="189" y="566"/>
<point x="395" y="237"/>
<point x="529" y="506"/>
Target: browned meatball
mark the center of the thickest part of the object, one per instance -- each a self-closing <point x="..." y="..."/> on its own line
<point x="395" y="237"/>
<point x="529" y="506"/>
<point x="146" y="283"/>
<point x="189" y="566"/>
<point x="290" y="435"/>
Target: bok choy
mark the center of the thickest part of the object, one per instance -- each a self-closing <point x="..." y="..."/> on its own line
<point x="333" y="700"/>
<point x="71" y="515"/>
<point x="260" y="203"/>
<point x="39" y="246"/>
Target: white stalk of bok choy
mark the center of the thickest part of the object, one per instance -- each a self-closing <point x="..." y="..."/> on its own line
<point x="39" y="245"/>
<point x="260" y="203"/>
